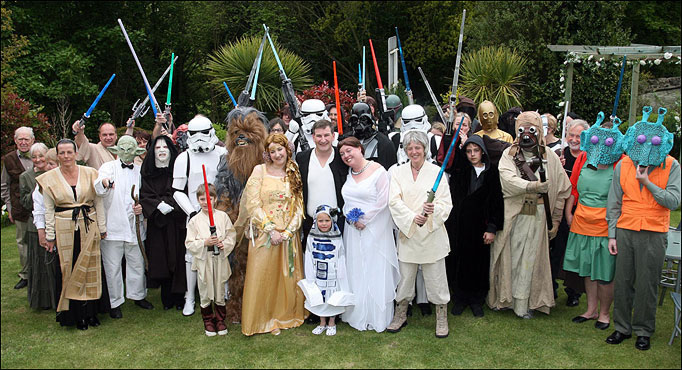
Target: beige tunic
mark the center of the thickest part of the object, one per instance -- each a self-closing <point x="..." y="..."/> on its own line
<point x="83" y="281"/>
<point x="94" y="155"/>
<point x="540" y="293"/>
<point x="212" y="270"/>
<point x="429" y="243"/>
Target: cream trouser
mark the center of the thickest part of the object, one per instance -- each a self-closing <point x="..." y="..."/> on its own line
<point x="435" y="280"/>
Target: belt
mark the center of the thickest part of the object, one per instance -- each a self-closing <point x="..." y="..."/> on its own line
<point x="84" y="209"/>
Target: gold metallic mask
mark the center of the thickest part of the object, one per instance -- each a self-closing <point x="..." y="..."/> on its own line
<point x="487" y="114"/>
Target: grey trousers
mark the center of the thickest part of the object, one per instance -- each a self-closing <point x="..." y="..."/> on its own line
<point x="638" y="272"/>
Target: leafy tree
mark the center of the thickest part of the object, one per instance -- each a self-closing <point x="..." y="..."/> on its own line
<point x="232" y="63"/>
<point x="17" y="112"/>
<point x="13" y="46"/>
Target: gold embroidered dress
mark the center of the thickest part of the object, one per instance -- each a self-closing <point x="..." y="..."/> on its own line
<point x="271" y="297"/>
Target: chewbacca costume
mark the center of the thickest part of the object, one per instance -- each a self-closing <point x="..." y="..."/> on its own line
<point x="245" y="137"/>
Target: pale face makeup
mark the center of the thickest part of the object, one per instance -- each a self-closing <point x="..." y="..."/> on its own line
<point x="161" y="154"/>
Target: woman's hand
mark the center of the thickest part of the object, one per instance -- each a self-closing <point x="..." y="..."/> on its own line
<point x="359" y="225"/>
<point x="276" y="237"/>
<point x="50" y="245"/>
<point x="488" y="238"/>
<point x="428" y="209"/>
<point x="420" y="220"/>
<point x="613" y="248"/>
<point x="42" y="238"/>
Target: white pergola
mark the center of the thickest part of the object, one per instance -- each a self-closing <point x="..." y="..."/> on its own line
<point x="634" y="52"/>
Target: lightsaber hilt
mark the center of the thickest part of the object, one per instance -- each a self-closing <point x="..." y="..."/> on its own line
<point x="216" y="250"/>
<point x="166" y="113"/>
<point x="81" y="123"/>
<point x="430" y="196"/>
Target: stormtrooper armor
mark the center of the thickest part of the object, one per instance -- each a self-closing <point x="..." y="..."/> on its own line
<point x="202" y="136"/>
<point x="414" y="118"/>
<point x="188" y="175"/>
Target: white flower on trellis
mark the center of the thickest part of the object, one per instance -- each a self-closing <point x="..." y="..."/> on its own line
<point x="677" y="118"/>
<point x="657" y="61"/>
<point x="597" y="64"/>
<point x="565" y="62"/>
<point x="601" y="59"/>
<point x="590" y="57"/>
<point x="561" y="104"/>
<point x="558" y="117"/>
<point x="561" y="79"/>
<point x="668" y="55"/>
<point x="616" y="64"/>
<point x="642" y="62"/>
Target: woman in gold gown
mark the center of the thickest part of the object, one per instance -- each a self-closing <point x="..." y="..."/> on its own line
<point x="274" y="203"/>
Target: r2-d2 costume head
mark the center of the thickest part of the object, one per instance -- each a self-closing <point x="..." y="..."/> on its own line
<point x="312" y="110"/>
<point x="202" y="137"/>
<point x="414" y="118"/>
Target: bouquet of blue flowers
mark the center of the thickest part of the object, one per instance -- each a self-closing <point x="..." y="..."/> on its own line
<point x="354" y="215"/>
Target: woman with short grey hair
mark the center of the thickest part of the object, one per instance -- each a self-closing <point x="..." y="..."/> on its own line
<point x="423" y="240"/>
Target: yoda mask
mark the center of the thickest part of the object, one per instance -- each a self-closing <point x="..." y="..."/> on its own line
<point x="126" y="149"/>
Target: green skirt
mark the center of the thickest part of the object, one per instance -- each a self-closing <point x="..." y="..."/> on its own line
<point x="589" y="256"/>
<point x="42" y="275"/>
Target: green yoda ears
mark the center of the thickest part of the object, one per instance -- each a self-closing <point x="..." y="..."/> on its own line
<point x="126" y="149"/>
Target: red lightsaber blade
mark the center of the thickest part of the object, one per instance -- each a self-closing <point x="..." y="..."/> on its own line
<point x="376" y="67"/>
<point x="212" y="227"/>
<point x="339" y="124"/>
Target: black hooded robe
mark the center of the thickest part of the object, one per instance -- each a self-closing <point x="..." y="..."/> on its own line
<point x="165" y="242"/>
<point x="478" y="207"/>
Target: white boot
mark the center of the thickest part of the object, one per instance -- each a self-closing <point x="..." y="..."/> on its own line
<point x="188" y="310"/>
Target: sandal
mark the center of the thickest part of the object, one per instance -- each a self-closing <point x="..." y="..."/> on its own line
<point x="331" y="330"/>
<point x="320" y="329"/>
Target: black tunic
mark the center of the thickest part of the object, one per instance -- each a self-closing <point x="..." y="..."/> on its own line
<point x="478" y="207"/>
<point x="165" y="242"/>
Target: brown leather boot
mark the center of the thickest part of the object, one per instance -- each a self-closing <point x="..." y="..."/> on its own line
<point x="220" y="313"/>
<point x="399" y="317"/>
<point x="207" y="316"/>
<point x="442" y="330"/>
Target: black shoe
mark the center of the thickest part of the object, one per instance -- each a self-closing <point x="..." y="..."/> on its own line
<point x="116" y="313"/>
<point x="409" y="310"/>
<point x="425" y="308"/>
<point x="82" y="325"/>
<point x="476" y="309"/>
<point x="642" y="343"/>
<point x="572" y="301"/>
<point x="457" y="309"/>
<point x="166" y="308"/>
<point x="179" y="306"/>
<point x="581" y="319"/>
<point x="143" y="303"/>
<point x="22" y="284"/>
<point x="94" y="321"/>
<point x="617" y="337"/>
<point x="312" y="319"/>
<point x="601" y="325"/>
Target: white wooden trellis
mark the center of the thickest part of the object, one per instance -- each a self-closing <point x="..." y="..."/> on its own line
<point x="634" y="52"/>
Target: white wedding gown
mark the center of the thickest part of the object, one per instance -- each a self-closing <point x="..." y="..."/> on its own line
<point x="371" y="255"/>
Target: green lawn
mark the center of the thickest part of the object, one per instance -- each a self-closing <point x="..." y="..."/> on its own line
<point x="166" y="339"/>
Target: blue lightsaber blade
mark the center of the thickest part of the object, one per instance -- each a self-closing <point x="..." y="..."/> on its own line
<point x="255" y="79"/>
<point x="230" y="94"/>
<point x="359" y="74"/>
<point x="402" y="61"/>
<point x="279" y="63"/>
<point x="364" y="70"/>
<point x="447" y="158"/>
<point x="620" y="84"/>
<point x="94" y="104"/>
<point x="149" y="94"/>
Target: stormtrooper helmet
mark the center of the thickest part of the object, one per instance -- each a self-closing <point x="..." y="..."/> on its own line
<point x="414" y="118"/>
<point x="202" y="138"/>
<point x="312" y="110"/>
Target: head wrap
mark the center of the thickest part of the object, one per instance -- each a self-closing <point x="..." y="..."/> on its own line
<point x="334" y="232"/>
<point x="648" y="143"/>
<point x="602" y="145"/>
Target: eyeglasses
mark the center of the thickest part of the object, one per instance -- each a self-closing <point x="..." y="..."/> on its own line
<point x="277" y="130"/>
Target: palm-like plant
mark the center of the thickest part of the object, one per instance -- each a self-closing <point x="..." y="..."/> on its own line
<point x="232" y="63"/>
<point x="495" y="74"/>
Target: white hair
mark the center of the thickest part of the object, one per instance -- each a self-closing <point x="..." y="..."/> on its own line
<point x="415" y="136"/>
<point x="577" y="122"/>
<point x="24" y="129"/>
<point x="38" y="147"/>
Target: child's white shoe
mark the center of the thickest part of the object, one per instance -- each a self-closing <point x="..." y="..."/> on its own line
<point x="331" y="330"/>
<point x="320" y="329"/>
<point x="210" y="333"/>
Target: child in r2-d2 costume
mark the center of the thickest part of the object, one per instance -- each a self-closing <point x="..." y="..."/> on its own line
<point x="325" y="286"/>
<point x="212" y="269"/>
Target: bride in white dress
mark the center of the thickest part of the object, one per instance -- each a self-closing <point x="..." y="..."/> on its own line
<point x="371" y="255"/>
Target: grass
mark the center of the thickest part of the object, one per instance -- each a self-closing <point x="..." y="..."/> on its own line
<point x="166" y="339"/>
